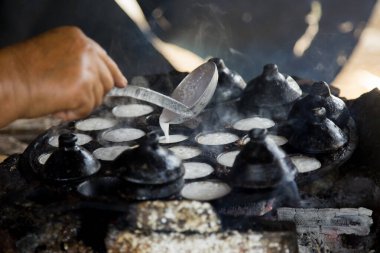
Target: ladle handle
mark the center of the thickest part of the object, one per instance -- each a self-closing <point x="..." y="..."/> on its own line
<point x="153" y="97"/>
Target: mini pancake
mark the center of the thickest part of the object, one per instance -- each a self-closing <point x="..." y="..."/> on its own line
<point x="175" y="138"/>
<point x="109" y="153"/>
<point x="94" y="124"/>
<point x="279" y="140"/>
<point x="217" y="138"/>
<point x="205" y="190"/>
<point x="185" y="152"/>
<point x="42" y="159"/>
<point x="227" y="158"/>
<point x="305" y="163"/>
<point x="82" y="139"/>
<point x="132" y="110"/>
<point x="123" y="135"/>
<point x="252" y="123"/>
<point x="195" y="170"/>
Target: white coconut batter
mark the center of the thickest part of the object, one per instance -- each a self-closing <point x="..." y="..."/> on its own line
<point x="82" y="139"/>
<point x="205" y="190"/>
<point x="42" y="159"/>
<point x="165" y="128"/>
<point x="109" y="153"/>
<point x="94" y="124"/>
<point x="227" y="158"/>
<point x="218" y="138"/>
<point x="279" y="140"/>
<point x="132" y="110"/>
<point x="305" y="163"/>
<point x="185" y="152"/>
<point x="173" y="138"/>
<point x="252" y="123"/>
<point x="195" y="170"/>
<point x="123" y="134"/>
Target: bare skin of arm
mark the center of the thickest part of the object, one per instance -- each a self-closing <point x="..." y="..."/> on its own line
<point x="60" y="72"/>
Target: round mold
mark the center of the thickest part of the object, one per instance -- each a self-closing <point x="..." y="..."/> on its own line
<point x="109" y="153"/>
<point x="227" y="159"/>
<point x="255" y="122"/>
<point x="278" y="139"/>
<point x="205" y="190"/>
<point x="82" y="139"/>
<point x="122" y="135"/>
<point x="197" y="170"/>
<point x="185" y="152"/>
<point x="216" y="138"/>
<point x="132" y="110"/>
<point x="95" y="124"/>
<point x="305" y="164"/>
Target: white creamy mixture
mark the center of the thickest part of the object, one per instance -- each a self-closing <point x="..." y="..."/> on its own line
<point x="132" y="110"/>
<point x="42" y="159"/>
<point x="252" y="123"/>
<point x="82" y="139"/>
<point x="220" y="138"/>
<point x="165" y="128"/>
<point x="185" y="152"/>
<point x="109" y="153"/>
<point x="195" y="170"/>
<point x="279" y="140"/>
<point x="123" y="134"/>
<point x="305" y="163"/>
<point x="93" y="124"/>
<point x="205" y="190"/>
<point x="173" y="138"/>
<point x="227" y="158"/>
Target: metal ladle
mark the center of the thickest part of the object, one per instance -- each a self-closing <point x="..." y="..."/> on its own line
<point x="187" y="100"/>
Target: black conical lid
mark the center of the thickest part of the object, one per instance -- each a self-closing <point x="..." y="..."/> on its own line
<point x="320" y="96"/>
<point x="149" y="163"/>
<point x="230" y="83"/>
<point x="261" y="164"/>
<point x="69" y="161"/>
<point x="316" y="133"/>
<point x="271" y="88"/>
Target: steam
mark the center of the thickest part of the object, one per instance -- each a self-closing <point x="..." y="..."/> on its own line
<point x="180" y="58"/>
<point x="312" y="19"/>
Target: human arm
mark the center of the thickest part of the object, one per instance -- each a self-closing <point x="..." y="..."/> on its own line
<point x="61" y="72"/>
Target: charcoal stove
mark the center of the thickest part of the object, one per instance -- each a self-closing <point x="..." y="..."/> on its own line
<point x="105" y="204"/>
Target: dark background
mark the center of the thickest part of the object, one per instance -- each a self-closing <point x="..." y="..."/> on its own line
<point x="246" y="34"/>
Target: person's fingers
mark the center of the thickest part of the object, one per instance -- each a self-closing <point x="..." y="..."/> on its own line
<point x="66" y="115"/>
<point x="105" y="77"/>
<point x="86" y="105"/>
<point x="119" y="79"/>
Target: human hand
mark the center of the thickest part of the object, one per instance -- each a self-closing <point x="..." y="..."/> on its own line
<point x="61" y="72"/>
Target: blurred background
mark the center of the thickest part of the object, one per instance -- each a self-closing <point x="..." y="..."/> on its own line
<point x="335" y="41"/>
